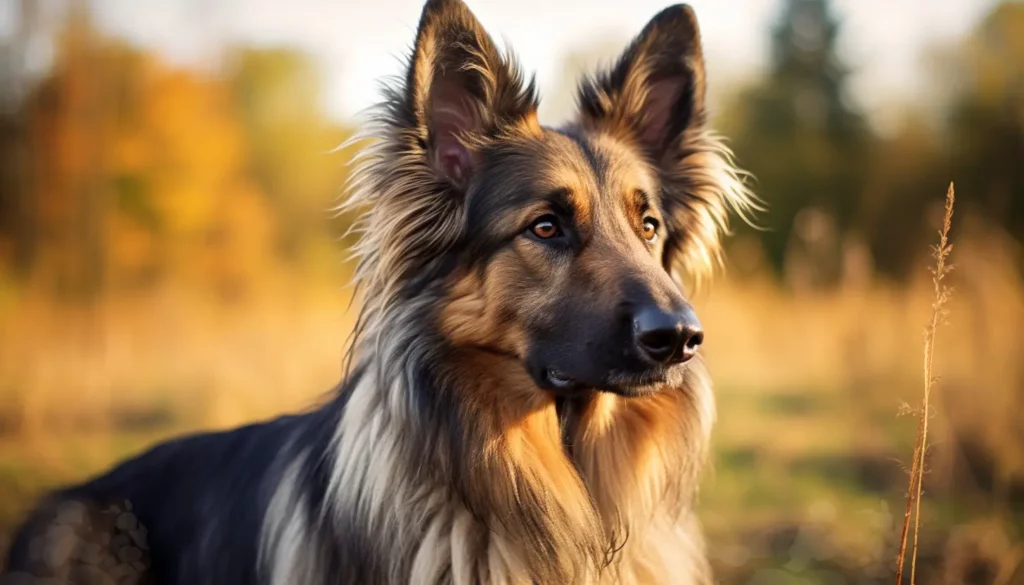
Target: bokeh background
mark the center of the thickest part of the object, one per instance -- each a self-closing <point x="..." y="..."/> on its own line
<point x="169" y="261"/>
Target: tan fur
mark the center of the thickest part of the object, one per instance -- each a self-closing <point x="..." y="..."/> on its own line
<point x="640" y="459"/>
<point x="471" y="317"/>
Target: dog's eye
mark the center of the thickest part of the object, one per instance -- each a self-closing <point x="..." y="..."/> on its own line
<point x="546" y="227"/>
<point x="650" y="229"/>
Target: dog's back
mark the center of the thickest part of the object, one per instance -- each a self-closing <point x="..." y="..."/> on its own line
<point x="188" y="511"/>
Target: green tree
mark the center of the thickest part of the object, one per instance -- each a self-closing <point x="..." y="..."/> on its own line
<point x="278" y="98"/>
<point x="18" y="237"/>
<point x="986" y="121"/>
<point x="798" y="133"/>
<point x="979" y="143"/>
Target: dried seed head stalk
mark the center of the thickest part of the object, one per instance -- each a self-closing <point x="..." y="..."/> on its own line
<point x="940" y="299"/>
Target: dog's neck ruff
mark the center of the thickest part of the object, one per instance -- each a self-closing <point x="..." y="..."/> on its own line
<point x="429" y="484"/>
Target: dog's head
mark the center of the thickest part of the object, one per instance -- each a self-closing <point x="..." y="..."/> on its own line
<point x="561" y="248"/>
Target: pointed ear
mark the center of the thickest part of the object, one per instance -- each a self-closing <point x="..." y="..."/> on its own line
<point x="656" y="89"/>
<point x="654" y="97"/>
<point x="460" y="89"/>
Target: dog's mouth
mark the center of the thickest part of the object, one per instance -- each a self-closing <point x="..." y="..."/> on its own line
<point x="636" y="384"/>
<point x="621" y="383"/>
<point x="556" y="380"/>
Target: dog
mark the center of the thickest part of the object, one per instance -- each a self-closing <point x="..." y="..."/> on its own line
<point x="525" y="400"/>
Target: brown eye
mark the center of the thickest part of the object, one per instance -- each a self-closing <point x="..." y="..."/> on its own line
<point x="650" y="229"/>
<point x="546" y="227"/>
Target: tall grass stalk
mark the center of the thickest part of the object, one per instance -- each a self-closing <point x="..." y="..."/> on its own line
<point x="940" y="299"/>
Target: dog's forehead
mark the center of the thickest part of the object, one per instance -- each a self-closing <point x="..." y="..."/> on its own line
<point x="595" y="167"/>
<point x="619" y="168"/>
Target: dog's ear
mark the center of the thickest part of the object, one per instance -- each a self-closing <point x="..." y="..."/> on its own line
<point x="655" y="91"/>
<point x="653" y="97"/>
<point x="460" y="89"/>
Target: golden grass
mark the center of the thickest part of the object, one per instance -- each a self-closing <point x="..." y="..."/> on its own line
<point x="173" y="355"/>
<point x="939" y="313"/>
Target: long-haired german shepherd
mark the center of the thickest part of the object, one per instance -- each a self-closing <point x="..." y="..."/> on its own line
<point x="526" y="402"/>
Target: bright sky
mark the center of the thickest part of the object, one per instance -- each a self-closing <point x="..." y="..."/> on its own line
<point x="359" y="41"/>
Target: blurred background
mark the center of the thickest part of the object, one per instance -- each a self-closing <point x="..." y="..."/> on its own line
<point x="169" y="261"/>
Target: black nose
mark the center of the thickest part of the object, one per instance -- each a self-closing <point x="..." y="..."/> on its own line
<point x="667" y="337"/>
